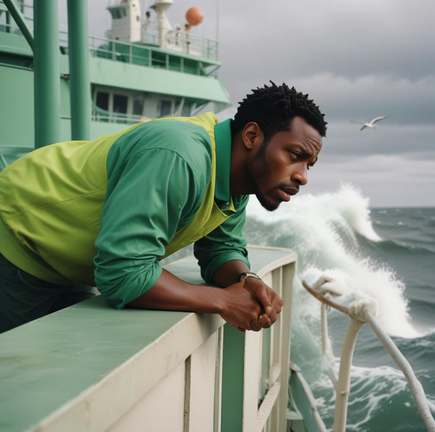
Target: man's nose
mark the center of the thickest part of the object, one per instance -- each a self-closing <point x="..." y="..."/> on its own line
<point x="300" y="175"/>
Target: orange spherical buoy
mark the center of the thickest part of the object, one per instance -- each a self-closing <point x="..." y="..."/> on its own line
<point x="194" y="16"/>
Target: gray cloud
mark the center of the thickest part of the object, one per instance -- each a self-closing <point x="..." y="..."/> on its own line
<point x="348" y="38"/>
<point x="357" y="60"/>
<point x="388" y="180"/>
<point x="346" y="139"/>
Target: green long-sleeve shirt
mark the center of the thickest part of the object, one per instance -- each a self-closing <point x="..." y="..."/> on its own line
<point x="118" y="201"/>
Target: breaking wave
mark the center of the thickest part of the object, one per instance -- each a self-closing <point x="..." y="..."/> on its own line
<point x="326" y="232"/>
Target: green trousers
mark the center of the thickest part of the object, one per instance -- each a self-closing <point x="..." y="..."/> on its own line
<point x="24" y="297"/>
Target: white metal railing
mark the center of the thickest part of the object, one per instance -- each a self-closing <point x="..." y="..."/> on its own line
<point x="177" y="40"/>
<point x="311" y="399"/>
<point x="101" y="115"/>
<point x="134" y="53"/>
<point x="173" y="371"/>
<point x="361" y="312"/>
<point x="137" y="54"/>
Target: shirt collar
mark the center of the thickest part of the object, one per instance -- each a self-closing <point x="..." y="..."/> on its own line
<point x="222" y="132"/>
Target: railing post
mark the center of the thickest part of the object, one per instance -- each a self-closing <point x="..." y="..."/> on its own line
<point x="80" y="89"/>
<point x="343" y="388"/>
<point x="8" y="22"/>
<point x="46" y="77"/>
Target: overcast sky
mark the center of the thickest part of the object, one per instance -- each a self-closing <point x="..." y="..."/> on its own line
<point x="357" y="60"/>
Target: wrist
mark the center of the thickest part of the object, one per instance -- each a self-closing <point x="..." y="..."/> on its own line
<point x="248" y="274"/>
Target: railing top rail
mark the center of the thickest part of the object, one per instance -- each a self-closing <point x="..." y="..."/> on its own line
<point x="365" y="311"/>
<point x="90" y="370"/>
<point x="209" y="55"/>
<point x="190" y="45"/>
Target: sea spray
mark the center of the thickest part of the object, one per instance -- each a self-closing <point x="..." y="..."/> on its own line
<point x="334" y="234"/>
<point x="323" y="231"/>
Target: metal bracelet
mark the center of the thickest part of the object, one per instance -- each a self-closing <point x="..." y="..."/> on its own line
<point x="247" y="274"/>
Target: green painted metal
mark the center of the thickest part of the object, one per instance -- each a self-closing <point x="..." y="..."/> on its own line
<point x="21" y="21"/>
<point x="303" y="405"/>
<point x="47" y="87"/>
<point x="78" y="52"/>
<point x="232" y="380"/>
<point x="49" y="362"/>
<point x="265" y="362"/>
<point x="155" y="80"/>
<point x="16" y="107"/>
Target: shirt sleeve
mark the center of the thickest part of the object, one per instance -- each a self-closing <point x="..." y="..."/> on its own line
<point x="144" y="206"/>
<point x="226" y="243"/>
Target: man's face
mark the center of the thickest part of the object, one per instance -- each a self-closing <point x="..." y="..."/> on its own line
<point x="281" y="166"/>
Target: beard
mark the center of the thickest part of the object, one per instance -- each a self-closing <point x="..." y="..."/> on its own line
<point x="259" y="170"/>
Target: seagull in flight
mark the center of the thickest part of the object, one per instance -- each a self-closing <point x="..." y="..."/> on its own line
<point x="371" y="125"/>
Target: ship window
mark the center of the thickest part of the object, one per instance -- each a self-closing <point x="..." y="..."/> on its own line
<point x="137" y="107"/>
<point x="103" y="101"/>
<point x="120" y="104"/>
<point x="165" y="108"/>
<point x="185" y="112"/>
<point x="116" y="13"/>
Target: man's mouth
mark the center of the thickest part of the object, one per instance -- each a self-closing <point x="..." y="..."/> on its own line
<point x="287" y="192"/>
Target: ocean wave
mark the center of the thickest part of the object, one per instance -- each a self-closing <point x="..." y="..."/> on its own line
<point x="376" y="394"/>
<point x="334" y="234"/>
<point x="347" y="207"/>
<point x="396" y="247"/>
<point x="327" y="232"/>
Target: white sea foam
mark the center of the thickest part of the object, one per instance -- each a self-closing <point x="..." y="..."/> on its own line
<point x="348" y="204"/>
<point x="370" y="389"/>
<point x="322" y="229"/>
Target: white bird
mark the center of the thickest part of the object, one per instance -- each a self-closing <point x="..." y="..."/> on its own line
<point x="371" y="125"/>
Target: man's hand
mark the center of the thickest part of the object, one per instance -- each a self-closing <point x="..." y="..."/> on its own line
<point x="246" y="305"/>
<point x="240" y="308"/>
<point x="269" y="299"/>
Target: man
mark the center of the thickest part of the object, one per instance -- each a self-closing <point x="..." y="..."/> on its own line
<point x="105" y="212"/>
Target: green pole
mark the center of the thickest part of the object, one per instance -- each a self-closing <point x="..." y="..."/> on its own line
<point x="47" y="78"/>
<point x="20" y="20"/>
<point x="80" y="88"/>
<point x="232" y="380"/>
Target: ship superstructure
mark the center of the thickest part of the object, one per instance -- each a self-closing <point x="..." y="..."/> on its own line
<point x="143" y="69"/>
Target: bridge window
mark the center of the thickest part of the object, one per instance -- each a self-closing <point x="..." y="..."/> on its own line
<point x="165" y="108"/>
<point x="185" y="112"/>
<point x="137" y="107"/>
<point x="120" y="104"/>
<point x="103" y="100"/>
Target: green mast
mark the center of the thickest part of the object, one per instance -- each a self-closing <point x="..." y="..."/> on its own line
<point x="47" y="79"/>
<point x="80" y="90"/>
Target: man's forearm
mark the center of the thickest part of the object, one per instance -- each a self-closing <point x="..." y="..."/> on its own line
<point x="228" y="273"/>
<point x="234" y="304"/>
<point x="172" y="293"/>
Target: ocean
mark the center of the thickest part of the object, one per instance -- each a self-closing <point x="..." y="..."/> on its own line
<point x="387" y="254"/>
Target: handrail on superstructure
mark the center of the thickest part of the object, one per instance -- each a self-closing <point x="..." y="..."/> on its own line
<point x="360" y="312"/>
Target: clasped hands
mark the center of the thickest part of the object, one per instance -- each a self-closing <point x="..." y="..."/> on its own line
<point x="251" y="305"/>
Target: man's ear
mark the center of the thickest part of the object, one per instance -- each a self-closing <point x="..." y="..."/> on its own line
<point x="252" y="136"/>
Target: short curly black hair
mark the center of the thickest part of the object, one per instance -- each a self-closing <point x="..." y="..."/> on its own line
<point x="274" y="107"/>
